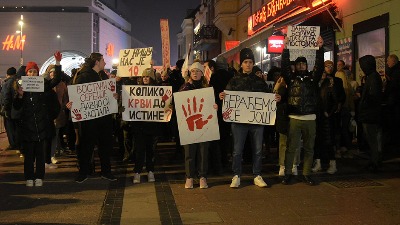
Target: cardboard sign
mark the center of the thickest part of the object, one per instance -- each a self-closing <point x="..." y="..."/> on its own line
<point x="32" y="83"/>
<point x="197" y="118"/>
<point x="309" y="54"/>
<point x="146" y="103"/>
<point x="92" y="100"/>
<point x="132" y="62"/>
<point x="249" y="107"/>
<point x="275" y="44"/>
<point x="303" y="37"/>
<point x="165" y="42"/>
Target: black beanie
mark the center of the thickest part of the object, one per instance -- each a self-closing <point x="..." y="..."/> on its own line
<point x="11" y="71"/>
<point x="246" y="53"/>
<point x="301" y="59"/>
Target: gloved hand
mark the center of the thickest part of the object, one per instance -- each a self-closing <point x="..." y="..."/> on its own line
<point x="58" y="56"/>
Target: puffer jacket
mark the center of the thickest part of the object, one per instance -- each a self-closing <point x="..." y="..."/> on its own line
<point x="34" y="106"/>
<point x="370" y="106"/>
<point x="247" y="82"/>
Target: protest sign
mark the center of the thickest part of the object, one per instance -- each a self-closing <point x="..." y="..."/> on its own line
<point x="132" y="62"/>
<point x="165" y="42"/>
<point x="197" y="118"/>
<point x="146" y="103"/>
<point x="32" y="83"/>
<point x="308" y="53"/>
<point x="92" y="100"/>
<point x="249" y="107"/>
<point x="302" y="37"/>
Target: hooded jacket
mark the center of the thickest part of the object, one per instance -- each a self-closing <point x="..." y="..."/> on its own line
<point x="370" y="106"/>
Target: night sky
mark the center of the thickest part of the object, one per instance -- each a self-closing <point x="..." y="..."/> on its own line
<point x="145" y="20"/>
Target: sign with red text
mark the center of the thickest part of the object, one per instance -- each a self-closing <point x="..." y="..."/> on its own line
<point x="132" y="62"/>
<point x="207" y="73"/>
<point x="249" y="107"/>
<point x="14" y="42"/>
<point x="32" y="83"/>
<point x="165" y="45"/>
<point x="275" y="44"/>
<point x="146" y="103"/>
<point x="303" y="37"/>
<point x="197" y="117"/>
<point x="92" y="100"/>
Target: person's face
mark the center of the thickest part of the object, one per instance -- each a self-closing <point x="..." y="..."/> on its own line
<point x="32" y="73"/>
<point x="146" y="80"/>
<point x="164" y="77"/>
<point x="247" y="66"/>
<point x="51" y="74"/>
<point x="195" y="74"/>
<point x="390" y="62"/>
<point x="329" y="68"/>
<point x="301" y="66"/>
<point x="101" y="63"/>
<point x="113" y="75"/>
<point x="340" y="65"/>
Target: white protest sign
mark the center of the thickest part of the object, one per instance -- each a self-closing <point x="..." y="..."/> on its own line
<point x="308" y="53"/>
<point x="302" y="37"/>
<point x="197" y="118"/>
<point x="249" y="107"/>
<point x="146" y="103"/>
<point x="32" y="83"/>
<point x="92" y="100"/>
<point x="132" y="62"/>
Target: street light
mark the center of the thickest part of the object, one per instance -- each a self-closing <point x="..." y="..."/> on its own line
<point x="259" y="49"/>
<point x="21" y="23"/>
<point x="59" y="42"/>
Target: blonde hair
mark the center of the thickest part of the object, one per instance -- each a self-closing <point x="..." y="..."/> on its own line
<point x="348" y="89"/>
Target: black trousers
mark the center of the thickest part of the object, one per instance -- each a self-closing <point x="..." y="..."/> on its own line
<point x="145" y="146"/>
<point x="97" y="131"/>
<point x="34" y="151"/>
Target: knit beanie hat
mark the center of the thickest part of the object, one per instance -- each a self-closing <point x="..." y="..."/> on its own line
<point x="301" y="59"/>
<point x="246" y="53"/>
<point x="11" y="71"/>
<point x="197" y="65"/>
<point x="31" y="65"/>
<point x="149" y="72"/>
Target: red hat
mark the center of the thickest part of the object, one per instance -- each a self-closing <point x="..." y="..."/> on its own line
<point x="31" y="65"/>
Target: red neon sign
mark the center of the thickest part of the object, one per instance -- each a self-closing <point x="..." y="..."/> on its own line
<point x="110" y="49"/>
<point x="275" y="44"/>
<point x="11" y="44"/>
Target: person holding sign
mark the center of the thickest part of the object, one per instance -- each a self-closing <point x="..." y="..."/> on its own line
<point x="302" y="106"/>
<point x="247" y="81"/>
<point x="36" y="123"/>
<point x="197" y="152"/>
<point x="97" y="130"/>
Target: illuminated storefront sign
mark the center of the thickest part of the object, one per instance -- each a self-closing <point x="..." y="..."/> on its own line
<point x="275" y="44"/>
<point x="14" y="42"/>
<point x="231" y="44"/>
<point x="110" y="49"/>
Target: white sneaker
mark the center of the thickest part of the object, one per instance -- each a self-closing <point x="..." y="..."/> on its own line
<point x="281" y="171"/>
<point x="38" y="182"/>
<point x="150" y="177"/>
<point x="50" y="166"/>
<point x="54" y="160"/>
<point x="136" y="178"/>
<point x="258" y="180"/>
<point x="317" y="166"/>
<point x="294" y="170"/>
<point x="203" y="183"/>
<point x="332" y="167"/>
<point x="235" y="182"/>
<point x="189" y="183"/>
<point x="29" y="183"/>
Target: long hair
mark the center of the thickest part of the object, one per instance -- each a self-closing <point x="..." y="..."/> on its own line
<point x="349" y="103"/>
<point x="91" y="60"/>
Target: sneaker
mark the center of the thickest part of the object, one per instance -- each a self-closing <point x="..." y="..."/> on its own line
<point x="54" y="160"/>
<point x="235" y="182"/>
<point x="29" y="183"/>
<point x="38" y="182"/>
<point x="294" y="170"/>
<point x="50" y="166"/>
<point x="281" y="171"/>
<point x="80" y="178"/>
<point x="150" y="177"/>
<point x="258" y="180"/>
<point x="136" y="178"/>
<point x="189" y="183"/>
<point x="203" y="183"/>
<point x="109" y="176"/>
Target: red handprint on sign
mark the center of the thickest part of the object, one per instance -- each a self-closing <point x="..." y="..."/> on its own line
<point x="111" y="86"/>
<point x="77" y="114"/>
<point x="196" y="118"/>
<point x="167" y="95"/>
<point x="227" y="114"/>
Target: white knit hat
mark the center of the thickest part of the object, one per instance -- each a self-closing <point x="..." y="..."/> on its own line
<point x="197" y="65"/>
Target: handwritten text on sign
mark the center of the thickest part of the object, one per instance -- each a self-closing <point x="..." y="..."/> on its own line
<point x="197" y="118"/>
<point x="249" y="107"/>
<point x="92" y="100"/>
<point x="302" y="37"/>
<point x="132" y="62"/>
<point x="146" y="103"/>
<point x="33" y="84"/>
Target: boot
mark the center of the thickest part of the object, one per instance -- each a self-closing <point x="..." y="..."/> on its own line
<point x="317" y="166"/>
<point x="332" y="167"/>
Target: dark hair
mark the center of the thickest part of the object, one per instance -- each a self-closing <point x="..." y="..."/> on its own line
<point x="91" y="60"/>
<point x="11" y="71"/>
<point x="211" y="63"/>
<point x="342" y="62"/>
<point x="273" y="73"/>
<point x="74" y="71"/>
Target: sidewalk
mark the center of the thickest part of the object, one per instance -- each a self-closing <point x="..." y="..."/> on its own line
<point x="351" y="196"/>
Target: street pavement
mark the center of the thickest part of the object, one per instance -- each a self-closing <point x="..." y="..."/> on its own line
<point x="351" y="196"/>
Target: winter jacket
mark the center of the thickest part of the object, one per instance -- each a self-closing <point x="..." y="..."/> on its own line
<point x="247" y="82"/>
<point x="282" y="113"/>
<point x="7" y="95"/>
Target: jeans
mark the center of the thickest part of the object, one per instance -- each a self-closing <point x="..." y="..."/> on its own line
<point x="373" y="134"/>
<point x="301" y="129"/>
<point x="239" y="132"/>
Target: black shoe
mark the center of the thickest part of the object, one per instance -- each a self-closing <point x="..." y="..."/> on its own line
<point x="307" y="179"/>
<point x="109" y="177"/>
<point x="80" y="178"/>
<point x="286" y="179"/>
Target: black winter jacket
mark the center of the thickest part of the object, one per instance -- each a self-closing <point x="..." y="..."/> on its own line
<point x="247" y="82"/>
